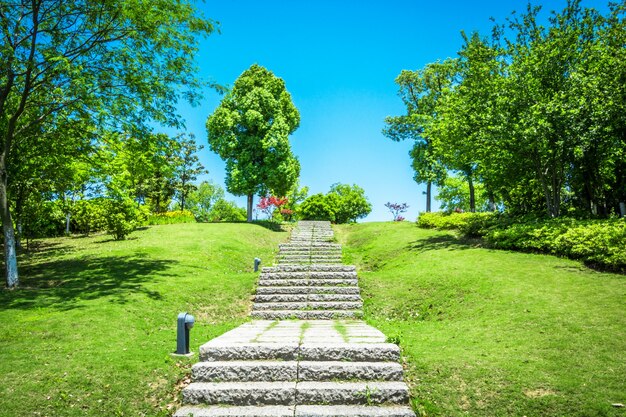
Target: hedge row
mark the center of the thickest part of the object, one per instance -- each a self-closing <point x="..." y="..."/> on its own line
<point x="599" y="243"/>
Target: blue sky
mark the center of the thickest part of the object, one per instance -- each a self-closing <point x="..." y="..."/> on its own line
<point x="339" y="60"/>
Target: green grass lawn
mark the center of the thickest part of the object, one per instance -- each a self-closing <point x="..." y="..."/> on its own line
<point x="493" y="333"/>
<point x="90" y="330"/>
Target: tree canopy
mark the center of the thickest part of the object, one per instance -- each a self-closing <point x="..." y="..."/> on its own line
<point x="534" y="114"/>
<point x="72" y="71"/>
<point x="250" y="130"/>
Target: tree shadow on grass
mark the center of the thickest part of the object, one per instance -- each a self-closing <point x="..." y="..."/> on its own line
<point x="65" y="283"/>
<point x="440" y="242"/>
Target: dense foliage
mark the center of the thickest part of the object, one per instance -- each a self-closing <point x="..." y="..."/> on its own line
<point x="600" y="243"/>
<point x="342" y="204"/>
<point x="532" y="118"/>
<point x="250" y="130"/>
<point x="74" y="74"/>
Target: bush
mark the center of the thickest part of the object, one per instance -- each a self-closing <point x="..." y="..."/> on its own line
<point x="599" y="243"/>
<point x="89" y="215"/>
<point x="227" y="211"/>
<point x="122" y="217"/>
<point x="171" y="217"/>
<point x="319" y="207"/>
<point x="470" y="224"/>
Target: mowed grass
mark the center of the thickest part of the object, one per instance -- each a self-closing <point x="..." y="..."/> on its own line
<point x="493" y="333"/>
<point x="90" y="331"/>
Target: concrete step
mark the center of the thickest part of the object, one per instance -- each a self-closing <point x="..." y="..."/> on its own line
<point x="309" y="305"/>
<point x="297" y="411"/>
<point x="312" y="245"/>
<point x="307" y="257"/>
<point x="229" y="371"/>
<point x="309" y="268"/>
<point x="305" y="315"/>
<point x="354" y="352"/>
<point x="213" y="352"/>
<point x="272" y="371"/>
<point x="307" y="282"/>
<point x="308" y="274"/>
<point x="278" y="298"/>
<point x="309" y="262"/>
<point x="307" y="290"/>
<point x="240" y="393"/>
<point x="349" y="371"/>
<point x="244" y="411"/>
<point x="353" y="411"/>
<point x="347" y="393"/>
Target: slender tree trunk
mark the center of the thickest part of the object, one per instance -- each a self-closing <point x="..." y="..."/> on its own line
<point x="10" y="256"/>
<point x="429" y="186"/>
<point x="68" y="217"/>
<point x="492" y="201"/>
<point x="472" y="193"/>
<point x="250" y="200"/>
<point x="622" y="208"/>
<point x="18" y="235"/>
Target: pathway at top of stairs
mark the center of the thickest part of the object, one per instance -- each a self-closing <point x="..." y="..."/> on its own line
<point x="326" y="363"/>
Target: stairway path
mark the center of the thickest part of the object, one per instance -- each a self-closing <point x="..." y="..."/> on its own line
<point x="305" y="353"/>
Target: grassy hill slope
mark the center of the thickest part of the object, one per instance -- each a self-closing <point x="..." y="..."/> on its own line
<point x="90" y="331"/>
<point x="493" y="333"/>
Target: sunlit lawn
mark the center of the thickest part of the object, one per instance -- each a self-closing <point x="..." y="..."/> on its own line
<point x="90" y="331"/>
<point x="493" y="333"/>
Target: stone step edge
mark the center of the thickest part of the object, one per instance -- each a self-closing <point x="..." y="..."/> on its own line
<point x="294" y="370"/>
<point x="291" y="393"/>
<point x="297" y="411"/>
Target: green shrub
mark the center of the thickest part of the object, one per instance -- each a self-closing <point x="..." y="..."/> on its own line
<point x="122" y="217"/>
<point x="89" y="215"/>
<point x="319" y="207"/>
<point x="599" y="243"/>
<point x="171" y="217"/>
<point x="227" y="211"/>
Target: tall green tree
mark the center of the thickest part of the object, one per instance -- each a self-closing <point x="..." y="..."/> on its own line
<point x="105" y="64"/>
<point x="188" y="167"/>
<point x="250" y="130"/>
<point x="420" y="92"/>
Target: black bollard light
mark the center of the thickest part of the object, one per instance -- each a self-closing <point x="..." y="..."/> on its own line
<point x="185" y="322"/>
<point x="257" y="262"/>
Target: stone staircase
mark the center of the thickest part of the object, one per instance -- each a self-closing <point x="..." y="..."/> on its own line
<point x="324" y="364"/>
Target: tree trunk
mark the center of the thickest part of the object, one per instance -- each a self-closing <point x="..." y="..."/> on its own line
<point x="10" y="256"/>
<point x="472" y="193"/>
<point x="622" y="208"/>
<point x="68" y="216"/>
<point x="428" y="195"/>
<point x="250" y="200"/>
<point x="18" y="236"/>
<point x="492" y="201"/>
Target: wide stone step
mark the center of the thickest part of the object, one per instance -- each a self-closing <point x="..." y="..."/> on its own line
<point x="243" y="411"/>
<point x="305" y="315"/>
<point x="309" y="274"/>
<point x="340" y="393"/>
<point x="309" y="262"/>
<point x="297" y="411"/>
<point x="309" y="256"/>
<point x="349" y="371"/>
<point x="282" y="298"/>
<point x="228" y="371"/>
<point x="248" y="351"/>
<point x="312" y="245"/>
<point x="309" y="268"/>
<point x="309" y="305"/>
<point x="355" y="352"/>
<point x="306" y="282"/>
<point x="307" y="290"/>
<point x="353" y="411"/>
<point x="240" y="393"/>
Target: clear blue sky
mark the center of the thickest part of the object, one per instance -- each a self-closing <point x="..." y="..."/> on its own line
<point x="339" y="60"/>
